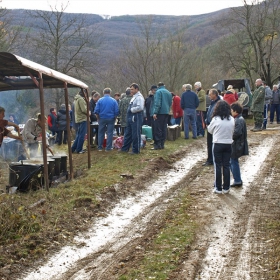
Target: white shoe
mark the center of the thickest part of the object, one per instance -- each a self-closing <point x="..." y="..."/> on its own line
<point x="217" y="192"/>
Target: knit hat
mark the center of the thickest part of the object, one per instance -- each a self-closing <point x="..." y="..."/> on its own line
<point x="153" y="87"/>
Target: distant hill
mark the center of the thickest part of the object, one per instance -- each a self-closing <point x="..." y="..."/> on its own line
<point x="118" y="28"/>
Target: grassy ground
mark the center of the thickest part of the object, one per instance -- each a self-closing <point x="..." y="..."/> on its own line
<point x="30" y="233"/>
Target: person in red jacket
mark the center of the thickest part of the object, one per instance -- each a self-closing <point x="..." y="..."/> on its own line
<point x="229" y="96"/>
<point x="176" y="108"/>
<point x="52" y="121"/>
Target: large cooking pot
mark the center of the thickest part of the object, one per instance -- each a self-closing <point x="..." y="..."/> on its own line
<point x="60" y="164"/>
<point x="56" y="165"/>
<point x="63" y="163"/>
<point x="25" y="176"/>
<point x="51" y="164"/>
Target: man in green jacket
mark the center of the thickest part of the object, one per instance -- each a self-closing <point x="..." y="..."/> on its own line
<point x="258" y="105"/>
<point x="160" y="110"/>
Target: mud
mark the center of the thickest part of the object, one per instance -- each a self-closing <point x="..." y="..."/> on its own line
<point x="230" y="246"/>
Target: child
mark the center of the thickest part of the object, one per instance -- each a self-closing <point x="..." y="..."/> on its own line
<point x="240" y="144"/>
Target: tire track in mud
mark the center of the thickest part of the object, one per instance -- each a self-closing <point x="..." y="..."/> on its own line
<point x="225" y="248"/>
<point x="126" y="224"/>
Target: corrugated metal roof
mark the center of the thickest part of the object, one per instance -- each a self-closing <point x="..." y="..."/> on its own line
<point x="15" y="74"/>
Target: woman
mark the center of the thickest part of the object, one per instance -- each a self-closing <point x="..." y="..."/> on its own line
<point x="221" y="127"/>
<point x="239" y="145"/>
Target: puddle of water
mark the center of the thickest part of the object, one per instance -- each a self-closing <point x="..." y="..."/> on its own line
<point x="220" y="246"/>
<point x="108" y="229"/>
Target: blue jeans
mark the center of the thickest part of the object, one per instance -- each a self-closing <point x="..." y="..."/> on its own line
<point x="105" y="125"/>
<point x="190" y="118"/>
<point x="265" y="110"/>
<point x="178" y="120"/>
<point x="235" y="170"/>
<point x="80" y="137"/>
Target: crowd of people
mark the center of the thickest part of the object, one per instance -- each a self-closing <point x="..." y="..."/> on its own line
<point x="199" y="111"/>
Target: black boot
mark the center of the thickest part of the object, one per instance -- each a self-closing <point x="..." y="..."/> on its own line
<point x="257" y="128"/>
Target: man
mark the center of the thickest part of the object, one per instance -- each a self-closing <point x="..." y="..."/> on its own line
<point x="200" y="111"/>
<point x="148" y="104"/>
<point x="80" y="109"/>
<point x="189" y="103"/>
<point x="106" y="111"/>
<point x="95" y="96"/>
<point x="160" y="110"/>
<point x="124" y="104"/>
<point x="275" y="105"/>
<point x="4" y="131"/>
<point x="214" y="97"/>
<point x="267" y="100"/>
<point x="32" y="134"/>
<point x="258" y="105"/>
<point x="176" y="108"/>
<point x="133" y="130"/>
<point x="117" y="97"/>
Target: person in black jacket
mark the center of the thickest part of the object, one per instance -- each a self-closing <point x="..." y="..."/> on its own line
<point x="239" y="145"/>
<point x="214" y="97"/>
<point x="61" y="125"/>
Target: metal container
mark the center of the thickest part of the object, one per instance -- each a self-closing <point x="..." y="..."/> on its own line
<point x="57" y="160"/>
<point x="63" y="163"/>
<point x="25" y="175"/>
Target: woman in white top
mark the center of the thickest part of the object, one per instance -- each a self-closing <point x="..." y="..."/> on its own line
<point x="222" y="127"/>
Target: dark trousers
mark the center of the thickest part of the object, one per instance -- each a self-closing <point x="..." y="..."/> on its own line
<point x="209" y="147"/>
<point x="160" y="130"/>
<point x="275" y="108"/>
<point x="200" y="123"/>
<point x="221" y="156"/>
<point x="132" y="134"/>
<point x="61" y="134"/>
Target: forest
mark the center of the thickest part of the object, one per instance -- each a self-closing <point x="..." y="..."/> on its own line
<point x="115" y="51"/>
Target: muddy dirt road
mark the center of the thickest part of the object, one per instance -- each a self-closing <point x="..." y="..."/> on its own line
<point x="231" y="244"/>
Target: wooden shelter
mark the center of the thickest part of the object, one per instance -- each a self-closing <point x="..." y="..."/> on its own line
<point x="17" y="73"/>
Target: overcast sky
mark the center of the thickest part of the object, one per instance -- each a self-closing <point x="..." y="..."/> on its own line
<point x="127" y="7"/>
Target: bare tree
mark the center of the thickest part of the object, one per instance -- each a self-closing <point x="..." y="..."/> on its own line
<point x="64" y="42"/>
<point x="253" y="41"/>
<point x="9" y="33"/>
<point x="157" y="52"/>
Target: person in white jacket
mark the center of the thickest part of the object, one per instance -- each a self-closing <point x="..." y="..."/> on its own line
<point x="222" y="128"/>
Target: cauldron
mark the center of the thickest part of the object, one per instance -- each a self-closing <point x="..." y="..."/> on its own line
<point x="51" y="164"/>
<point x="60" y="164"/>
<point x="25" y="175"/>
